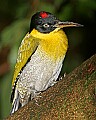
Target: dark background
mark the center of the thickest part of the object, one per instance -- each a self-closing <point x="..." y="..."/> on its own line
<point x="14" y="24"/>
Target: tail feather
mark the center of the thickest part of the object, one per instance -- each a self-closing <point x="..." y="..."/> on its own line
<point x="16" y="103"/>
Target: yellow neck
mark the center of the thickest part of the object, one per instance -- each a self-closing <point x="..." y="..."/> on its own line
<point x="54" y="44"/>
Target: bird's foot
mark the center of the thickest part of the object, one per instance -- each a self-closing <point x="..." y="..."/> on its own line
<point x="37" y="96"/>
<point x="61" y="77"/>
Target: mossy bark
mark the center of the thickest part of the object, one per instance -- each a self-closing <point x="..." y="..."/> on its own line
<point x="72" y="98"/>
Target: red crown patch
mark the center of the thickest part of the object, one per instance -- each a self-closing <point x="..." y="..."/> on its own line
<point x="43" y="14"/>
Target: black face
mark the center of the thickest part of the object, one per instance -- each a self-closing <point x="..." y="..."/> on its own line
<point x="43" y="22"/>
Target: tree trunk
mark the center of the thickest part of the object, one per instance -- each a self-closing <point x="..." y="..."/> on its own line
<point x="72" y="98"/>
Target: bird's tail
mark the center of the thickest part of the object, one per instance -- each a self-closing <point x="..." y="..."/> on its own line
<point x="16" y="103"/>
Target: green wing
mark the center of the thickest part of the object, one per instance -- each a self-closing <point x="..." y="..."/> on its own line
<point x="27" y="48"/>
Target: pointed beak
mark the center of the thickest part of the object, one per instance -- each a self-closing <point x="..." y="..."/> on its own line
<point x="67" y="24"/>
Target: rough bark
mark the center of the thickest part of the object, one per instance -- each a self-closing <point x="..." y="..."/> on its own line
<point x="72" y="98"/>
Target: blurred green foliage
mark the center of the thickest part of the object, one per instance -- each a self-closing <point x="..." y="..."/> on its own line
<point x="14" y="24"/>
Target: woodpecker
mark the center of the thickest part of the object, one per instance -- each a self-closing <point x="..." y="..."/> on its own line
<point x="40" y="58"/>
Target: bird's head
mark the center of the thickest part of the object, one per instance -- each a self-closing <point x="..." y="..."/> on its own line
<point x="45" y="22"/>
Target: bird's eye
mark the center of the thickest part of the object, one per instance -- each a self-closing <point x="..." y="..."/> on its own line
<point x="46" y="25"/>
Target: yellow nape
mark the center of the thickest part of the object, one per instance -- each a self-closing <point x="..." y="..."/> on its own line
<point x="54" y="44"/>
